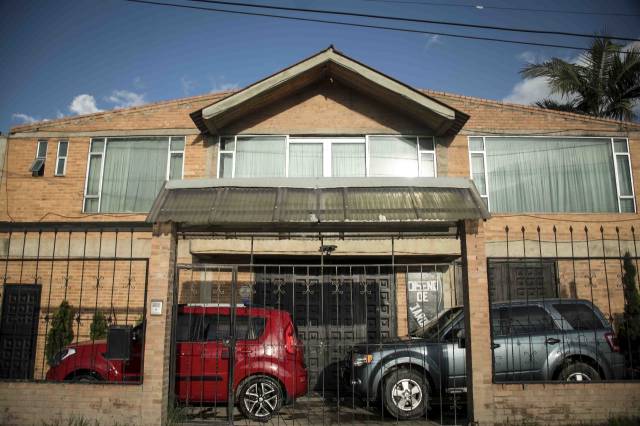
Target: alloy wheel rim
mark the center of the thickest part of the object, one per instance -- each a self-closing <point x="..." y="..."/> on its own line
<point x="261" y="399"/>
<point x="406" y="394"/>
<point x="578" y="377"/>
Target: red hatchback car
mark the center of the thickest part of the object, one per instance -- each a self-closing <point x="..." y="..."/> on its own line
<point x="268" y="362"/>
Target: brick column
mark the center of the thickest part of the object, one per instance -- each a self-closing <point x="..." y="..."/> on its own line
<point x="478" y="340"/>
<point x="157" y="348"/>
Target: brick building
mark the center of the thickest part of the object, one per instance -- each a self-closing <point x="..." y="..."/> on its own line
<point x="330" y="163"/>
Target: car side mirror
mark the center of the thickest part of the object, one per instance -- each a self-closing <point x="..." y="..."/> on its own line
<point x="461" y="336"/>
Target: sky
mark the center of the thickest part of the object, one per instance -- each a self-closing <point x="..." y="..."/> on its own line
<point x="63" y="58"/>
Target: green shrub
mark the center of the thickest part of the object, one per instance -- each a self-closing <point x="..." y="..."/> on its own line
<point x="61" y="332"/>
<point x="99" y="327"/>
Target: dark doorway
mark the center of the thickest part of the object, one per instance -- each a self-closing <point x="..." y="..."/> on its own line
<point x="18" y="330"/>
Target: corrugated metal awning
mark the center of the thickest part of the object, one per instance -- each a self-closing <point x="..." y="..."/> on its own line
<point x="303" y="204"/>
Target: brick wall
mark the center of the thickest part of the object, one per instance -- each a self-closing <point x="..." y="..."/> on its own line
<point x="34" y="403"/>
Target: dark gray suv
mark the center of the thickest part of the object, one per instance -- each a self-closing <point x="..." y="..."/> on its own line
<point x="551" y="339"/>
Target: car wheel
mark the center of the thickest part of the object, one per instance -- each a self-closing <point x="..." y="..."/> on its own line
<point x="86" y="377"/>
<point x="260" y="397"/>
<point x="579" y="372"/>
<point x="406" y="394"/>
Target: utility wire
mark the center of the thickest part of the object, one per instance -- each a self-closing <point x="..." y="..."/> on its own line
<point x="515" y="9"/>
<point x="402" y="19"/>
<point x="353" y="24"/>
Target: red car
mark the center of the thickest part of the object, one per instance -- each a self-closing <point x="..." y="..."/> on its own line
<point x="268" y="360"/>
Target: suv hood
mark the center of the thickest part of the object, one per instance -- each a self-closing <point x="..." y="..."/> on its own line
<point x="392" y="343"/>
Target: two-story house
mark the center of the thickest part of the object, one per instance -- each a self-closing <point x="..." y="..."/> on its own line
<point x="361" y="205"/>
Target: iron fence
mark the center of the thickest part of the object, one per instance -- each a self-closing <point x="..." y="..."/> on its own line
<point x="564" y="304"/>
<point x="319" y="343"/>
<point x="64" y="293"/>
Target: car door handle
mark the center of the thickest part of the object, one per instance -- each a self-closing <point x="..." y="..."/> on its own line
<point x="552" y="341"/>
<point x="245" y="351"/>
<point x="495" y="345"/>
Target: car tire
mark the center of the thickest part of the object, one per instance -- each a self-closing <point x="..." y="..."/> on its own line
<point x="579" y="372"/>
<point x="86" y="378"/>
<point x="406" y="394"/>
<point x="260" y="398"/>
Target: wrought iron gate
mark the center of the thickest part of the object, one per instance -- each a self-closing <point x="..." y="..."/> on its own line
<point x="292" y="330"/>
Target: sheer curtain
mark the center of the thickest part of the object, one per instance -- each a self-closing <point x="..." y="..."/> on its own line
<point x="305" y="160"/>
<point x="551" y="175"/>
<point x="393" y="156"/>
<point x="134" y="171"/>
<point x="348" y="159"/>
<point x="260" y="156"/>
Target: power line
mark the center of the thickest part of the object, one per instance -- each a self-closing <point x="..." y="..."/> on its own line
<point x="515" y="9"/>
<point x="353" y="24"/>
<point x="402" y="19"/>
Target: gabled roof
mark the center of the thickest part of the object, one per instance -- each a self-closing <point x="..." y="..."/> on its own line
<point x="330" y="64"/>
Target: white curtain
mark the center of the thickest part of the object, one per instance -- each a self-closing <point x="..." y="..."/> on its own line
<point x="393" y="156"/>
<point x="551" y="175"/>
<point x="305" y="160"/>
<point x="348" y="159"/>
<point x="260" y="156"/>
<point x="134" y="171"/>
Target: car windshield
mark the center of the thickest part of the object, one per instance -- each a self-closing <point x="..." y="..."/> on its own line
<point x="433" y="329"/>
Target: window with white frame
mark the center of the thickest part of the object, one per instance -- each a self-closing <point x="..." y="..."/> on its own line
<point x="520" y="174"/>
<point x="61" y="158"/>
<point x="372" y="155"/>
<point x="124" y="174"/>
<point x="37" y="167"/>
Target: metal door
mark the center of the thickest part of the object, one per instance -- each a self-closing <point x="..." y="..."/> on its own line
<point x="18" y="330"/>
<point x="330" y="317"/>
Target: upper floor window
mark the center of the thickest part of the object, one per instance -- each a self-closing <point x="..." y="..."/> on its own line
<point x="519" y="174"/>
<point x="280" y="156"/>
<point x="125" y="174"/>
<point x="37" y="167"/>
<point x="61" y="160"/>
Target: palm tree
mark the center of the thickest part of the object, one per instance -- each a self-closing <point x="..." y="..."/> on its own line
<point x="604" y="81"/>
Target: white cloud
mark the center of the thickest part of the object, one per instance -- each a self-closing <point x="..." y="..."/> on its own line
<point x="23" y="118"/>
<point x="138" y="83"/>
<point x="59" y="114"/>
<point x="84" y="104"/>
<point x="219" y="84"/>
<point x="432" y="40"/>
<point x="531" y="57"/>
<point x="531" y="90"/>
<point x="125" y="99"/>
<point x="187" y="85"/>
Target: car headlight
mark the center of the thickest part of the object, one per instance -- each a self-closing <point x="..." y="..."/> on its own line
<point x="359" y="360"/>
<point x="62" y="355"/>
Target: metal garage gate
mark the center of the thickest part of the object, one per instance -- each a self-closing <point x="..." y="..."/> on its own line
<point x="332" y="312"/>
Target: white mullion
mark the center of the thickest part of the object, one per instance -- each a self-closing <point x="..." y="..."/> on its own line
<point x="86" y="178"/>
<point x="419" y="156"/>
<point x="627" y="155"/>
<point x="327" y="152"/>
<point x="367" y="161"/>
<point x="168" y="168"/>
<point x="486" y="172"/>
<point x="633" y="189"/>
<point x="615" y="170"/>
<point x="104" y="157"/>
<point x="233" y="157"/>
<point x="286" y="156"/>
<point x="435" y="157"/>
